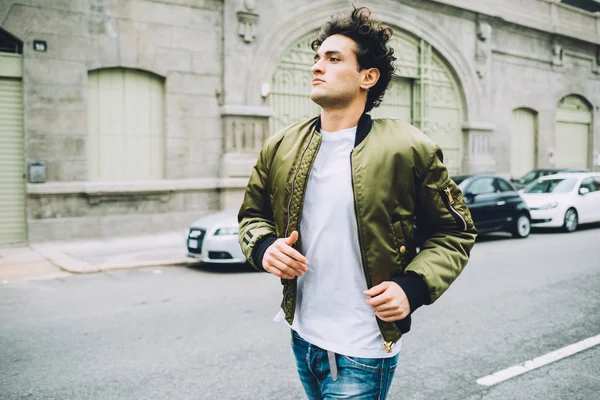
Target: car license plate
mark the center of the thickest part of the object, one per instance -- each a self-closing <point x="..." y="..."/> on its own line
<point x="192" y="243"/>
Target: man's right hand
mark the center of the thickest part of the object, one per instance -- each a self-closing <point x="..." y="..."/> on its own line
<point x="282" y="260"/>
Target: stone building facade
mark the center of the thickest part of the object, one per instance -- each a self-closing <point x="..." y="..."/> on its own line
<point x="137" y="116"/>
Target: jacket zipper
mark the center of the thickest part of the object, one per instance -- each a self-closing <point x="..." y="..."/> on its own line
<point x="387" y="345"/>
<point x="301" y="206"/>
<point x="453" y="210"/>
<point x="287" y="227"/>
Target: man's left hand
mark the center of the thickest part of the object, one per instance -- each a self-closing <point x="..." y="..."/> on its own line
<point x="389" y="301"/>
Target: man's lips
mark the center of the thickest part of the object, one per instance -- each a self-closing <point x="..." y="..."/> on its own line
<point x="317" y="80"/>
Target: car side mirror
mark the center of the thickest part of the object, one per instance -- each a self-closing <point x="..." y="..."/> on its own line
<point x="469" y="197"/>
<point x="584" y="191"/>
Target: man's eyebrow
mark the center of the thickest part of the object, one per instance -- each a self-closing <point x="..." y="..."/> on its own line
<point x="328" y="53"/>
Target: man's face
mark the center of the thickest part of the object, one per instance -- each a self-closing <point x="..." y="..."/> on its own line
<point x="337" y="78"/>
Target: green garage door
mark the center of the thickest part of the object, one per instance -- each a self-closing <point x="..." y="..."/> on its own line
<point x="12" y="183"/>
<point x="523" y="135"/>
<point x="126" y="125"/>
<point x="573" y="125"/>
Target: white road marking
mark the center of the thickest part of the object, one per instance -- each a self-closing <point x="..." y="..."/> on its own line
<point x="527" y="366"/>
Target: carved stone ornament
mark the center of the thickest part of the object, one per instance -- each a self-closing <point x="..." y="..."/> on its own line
<point x="484" y="33"/>
<point x="557" y="53"/>
<point x="483" y="50"/>
<point x="247" y="19"/>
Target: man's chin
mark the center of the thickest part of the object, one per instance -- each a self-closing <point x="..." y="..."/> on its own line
<point x="318" y="98"/>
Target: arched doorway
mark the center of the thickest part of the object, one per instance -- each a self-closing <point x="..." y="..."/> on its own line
<point x="290" y="87"/>
<point x="523" y="141"/>
<point x="125" y="121"/>
<point x="423" y="92"/>
<point x="573" y="127"/>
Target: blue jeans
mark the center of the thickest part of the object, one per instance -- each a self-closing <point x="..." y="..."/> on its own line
<point x="357" y="378"/>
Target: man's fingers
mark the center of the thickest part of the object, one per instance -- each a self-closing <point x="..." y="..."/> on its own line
<point x="293" y="238"/>
<point x="295" y="254"/>
<point x="290" y="262"/>
<point x="285" y="268"/>
<point x="391" y="315"/>
<point x="279" y="273"/>
<point x="378" y="300"/>
<point x="386" y="306"/>
<point x="375" y="290"/>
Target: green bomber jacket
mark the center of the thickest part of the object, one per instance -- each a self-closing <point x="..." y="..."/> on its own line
<point x="398" y="177"/>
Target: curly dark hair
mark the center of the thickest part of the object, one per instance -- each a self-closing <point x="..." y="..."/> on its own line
<point x="372" y="50"/>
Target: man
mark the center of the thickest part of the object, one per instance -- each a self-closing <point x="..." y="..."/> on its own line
<point x="330" y="207"/>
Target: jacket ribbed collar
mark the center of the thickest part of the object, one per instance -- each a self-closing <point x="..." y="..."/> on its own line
<point x="362" y="130"/>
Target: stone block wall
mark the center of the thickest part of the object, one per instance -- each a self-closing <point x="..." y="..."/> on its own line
<point x="217" y="55"/>
<point x="180" y="41"/>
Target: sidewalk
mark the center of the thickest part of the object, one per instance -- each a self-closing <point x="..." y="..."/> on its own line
<point x="56" y="259"/>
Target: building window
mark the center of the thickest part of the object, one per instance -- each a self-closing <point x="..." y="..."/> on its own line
<point x="126" y="125"/>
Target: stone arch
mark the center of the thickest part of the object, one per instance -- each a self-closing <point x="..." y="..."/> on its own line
<point x="310" y="17"/>
<point x="425" y="92"/>
<point x="108" y="66"/>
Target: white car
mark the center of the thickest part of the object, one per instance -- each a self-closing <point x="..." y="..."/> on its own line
<point x="214" y="239"/>
<point x="564" y="200"/>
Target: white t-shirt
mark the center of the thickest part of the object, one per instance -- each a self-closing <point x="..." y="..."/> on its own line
<point x="331" y="312"/>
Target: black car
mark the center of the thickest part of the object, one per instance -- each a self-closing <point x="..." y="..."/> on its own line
<point x="495" y="204"/>
<point x="538" y="173"/>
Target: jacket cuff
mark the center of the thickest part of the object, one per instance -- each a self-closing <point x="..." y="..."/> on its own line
<point x="259" y="249"/>
<point x="415" y="288"/>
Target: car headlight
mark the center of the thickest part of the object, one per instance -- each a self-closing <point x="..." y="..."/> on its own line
<point x="226" y="232"/>
<point x="548" y="206"/>
<point x="194" y="233"/>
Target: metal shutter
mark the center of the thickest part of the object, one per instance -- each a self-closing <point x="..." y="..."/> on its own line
<point x="573" y="122"/>
<point x="12" y="184"/>
<point x="522" y="150"/>
<point x="126" y="128"/>
<point x="572" y="145"/>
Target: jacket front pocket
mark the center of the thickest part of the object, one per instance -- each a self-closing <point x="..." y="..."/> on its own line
<point x="400" y="241"/>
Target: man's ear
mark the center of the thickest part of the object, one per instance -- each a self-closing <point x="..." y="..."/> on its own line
<point x="370" y="77"/>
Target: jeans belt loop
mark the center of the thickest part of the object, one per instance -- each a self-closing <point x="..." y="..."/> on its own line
<point x="332" y="365"/>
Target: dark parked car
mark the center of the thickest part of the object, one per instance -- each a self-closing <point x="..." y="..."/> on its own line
<point x="495" y="204"/>
<point x="532" y="175"/>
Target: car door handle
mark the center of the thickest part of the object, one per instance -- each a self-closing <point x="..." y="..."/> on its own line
<point x="501" y="203"/>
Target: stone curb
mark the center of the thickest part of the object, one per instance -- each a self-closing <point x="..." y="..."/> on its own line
<point x="76" y="266"/>
<point x="174" y="262"/>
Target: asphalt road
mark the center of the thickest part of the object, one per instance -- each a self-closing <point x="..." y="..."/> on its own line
<point x="207" y="332"/>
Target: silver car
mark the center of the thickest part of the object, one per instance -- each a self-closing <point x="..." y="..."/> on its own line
<point x="213" y="238"/>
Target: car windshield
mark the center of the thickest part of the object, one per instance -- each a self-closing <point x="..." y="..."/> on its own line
<point x="529" y="177"/>
<point x="459" y="179"/>
<point x="552" y="186"/>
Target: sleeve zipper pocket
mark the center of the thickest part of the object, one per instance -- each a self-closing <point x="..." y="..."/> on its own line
<point x="450" y="203"/>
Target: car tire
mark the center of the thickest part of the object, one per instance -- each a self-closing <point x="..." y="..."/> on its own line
<point x="522" y="227"/>
<point x="571" y="220"/>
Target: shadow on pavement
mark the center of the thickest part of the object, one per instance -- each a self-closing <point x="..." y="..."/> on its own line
<point x="584" y="227"/>
<point x="494" y="237"/>
<point x="222" y="268"/>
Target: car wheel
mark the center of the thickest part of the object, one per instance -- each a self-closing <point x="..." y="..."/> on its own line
<point x="522" y="227"/>
<point x="571" y="220"/>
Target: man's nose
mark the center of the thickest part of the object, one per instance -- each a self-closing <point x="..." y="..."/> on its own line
<point x="317" y="68"/>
